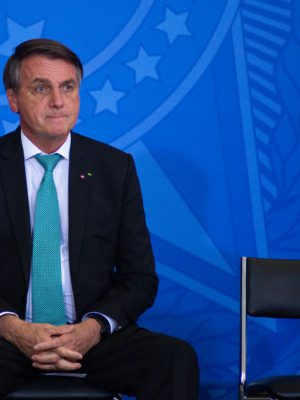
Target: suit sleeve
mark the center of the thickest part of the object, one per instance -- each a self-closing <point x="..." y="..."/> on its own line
<point x="135" y="280"/>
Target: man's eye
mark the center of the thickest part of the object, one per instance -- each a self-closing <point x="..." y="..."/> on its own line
<point x="40" y="89"/>
<point x="69" y="87"/>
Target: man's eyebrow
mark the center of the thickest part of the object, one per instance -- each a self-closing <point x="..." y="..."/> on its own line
<point x="46" y="81"/>
<point x="41" y="80"/>
<point x="68" y="81"/>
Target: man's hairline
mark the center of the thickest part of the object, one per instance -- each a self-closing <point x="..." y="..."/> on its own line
<point x="79" y="73"/>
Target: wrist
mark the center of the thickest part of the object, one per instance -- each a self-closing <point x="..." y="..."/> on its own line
<point x="9" y="324"/>
<point x="103" y="323"/>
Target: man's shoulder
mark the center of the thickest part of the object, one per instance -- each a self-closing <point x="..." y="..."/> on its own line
<point x="95" y="147"/>
<point x="9" y="136"/>
<point x="10" y="143"/>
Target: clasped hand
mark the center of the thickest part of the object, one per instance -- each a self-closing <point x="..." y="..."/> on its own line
<point x="57" y="348"/>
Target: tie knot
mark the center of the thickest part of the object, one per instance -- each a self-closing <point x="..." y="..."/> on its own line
<point x="48" y="161"/>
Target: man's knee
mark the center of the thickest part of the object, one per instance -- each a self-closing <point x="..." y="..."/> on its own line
<point x="180" y="352"/>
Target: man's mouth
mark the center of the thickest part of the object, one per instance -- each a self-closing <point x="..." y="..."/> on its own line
<point x="56" y="116"/>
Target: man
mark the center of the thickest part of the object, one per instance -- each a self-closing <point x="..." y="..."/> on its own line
<point x="106" y="267"/>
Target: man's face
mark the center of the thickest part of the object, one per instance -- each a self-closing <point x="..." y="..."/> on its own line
<point x="47" y="99"/>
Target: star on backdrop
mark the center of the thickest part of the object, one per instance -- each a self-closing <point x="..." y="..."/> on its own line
<point x="144" y="65"/>
<point x="107" y="98"/>
<point x="174" y="25"/>
<point x="18" y="33"/>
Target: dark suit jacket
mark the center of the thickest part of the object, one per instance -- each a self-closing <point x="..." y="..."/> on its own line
<point x="111" y="261"/>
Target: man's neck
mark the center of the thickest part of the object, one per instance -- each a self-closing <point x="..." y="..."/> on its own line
<point x="47" y="146"/>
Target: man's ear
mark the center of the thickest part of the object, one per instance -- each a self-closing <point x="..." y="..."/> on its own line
<point x="12" y="100"/>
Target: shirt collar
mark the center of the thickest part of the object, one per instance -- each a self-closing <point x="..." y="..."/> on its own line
<point x="30" y="150"/>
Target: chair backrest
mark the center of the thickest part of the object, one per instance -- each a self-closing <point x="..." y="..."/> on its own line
<point x="272" y="287"/>
<point x="269" y="288"/>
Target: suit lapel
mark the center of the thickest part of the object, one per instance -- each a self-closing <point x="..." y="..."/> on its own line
<point x="12" y="172"/>
<point x="79" y="195"/>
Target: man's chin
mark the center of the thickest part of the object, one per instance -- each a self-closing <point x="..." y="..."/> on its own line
<point x="56" y="135"/>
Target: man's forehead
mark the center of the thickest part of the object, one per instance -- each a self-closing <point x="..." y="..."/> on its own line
<point x="37" y="66"/>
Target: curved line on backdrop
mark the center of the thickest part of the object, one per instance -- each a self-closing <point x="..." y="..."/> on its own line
<point x="117" y="43"/>
<point x="128" y="138"/>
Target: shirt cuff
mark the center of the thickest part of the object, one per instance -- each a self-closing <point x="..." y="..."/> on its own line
<point x="8" y="313"/>
<point x="112" y="323"/>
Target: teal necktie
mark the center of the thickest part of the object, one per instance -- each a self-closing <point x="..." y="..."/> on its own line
<point x="47" y="293"/>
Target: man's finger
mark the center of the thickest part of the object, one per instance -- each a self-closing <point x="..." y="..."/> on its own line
<point x="49" y="344"/>
<point x="61" y="329"/>
<point x="62" y="365"/>
<point x="69" y="354"/>
<point x="65" y="365"/>
<point x="46" y="358"/>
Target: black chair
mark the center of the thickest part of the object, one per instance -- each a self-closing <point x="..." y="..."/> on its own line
<point x="270" y="288"/>
<point x="60" y="388"/>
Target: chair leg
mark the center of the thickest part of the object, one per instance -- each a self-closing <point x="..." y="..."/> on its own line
<point x="242" y="392"/>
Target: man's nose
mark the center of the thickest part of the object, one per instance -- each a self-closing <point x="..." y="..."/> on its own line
<point x="56" y="99"/>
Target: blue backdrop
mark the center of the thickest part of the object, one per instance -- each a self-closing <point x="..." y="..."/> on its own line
<point x="206" y="96"/>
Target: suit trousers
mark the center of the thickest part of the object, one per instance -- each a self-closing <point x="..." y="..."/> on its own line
<point x="133" y="361"/>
